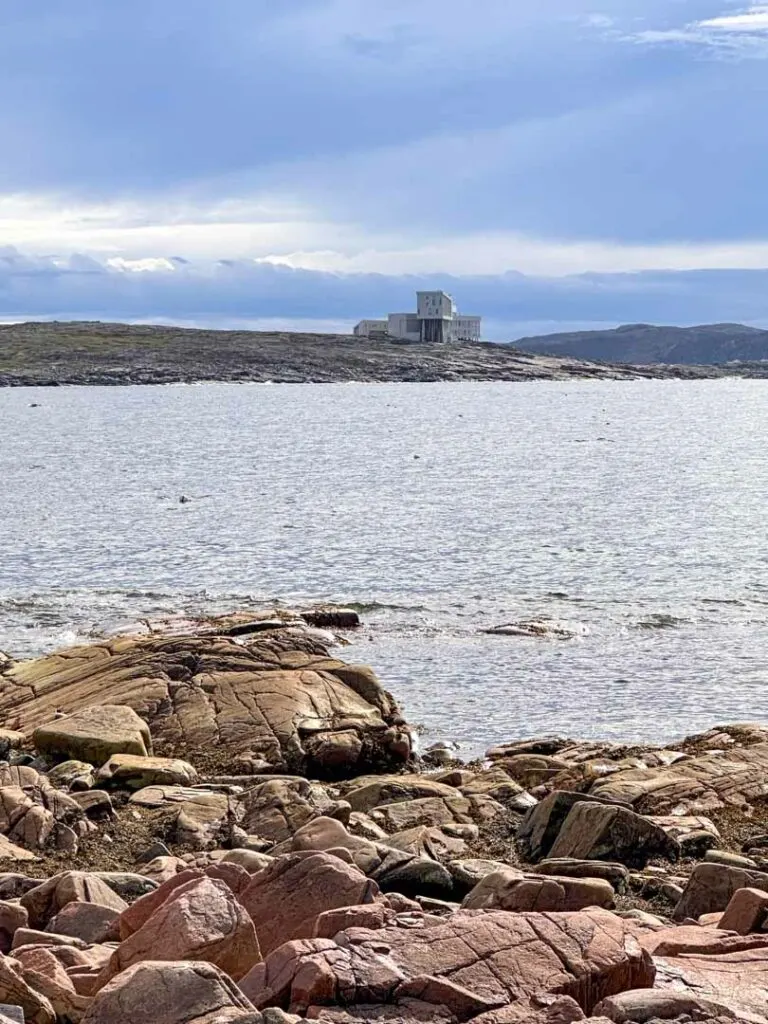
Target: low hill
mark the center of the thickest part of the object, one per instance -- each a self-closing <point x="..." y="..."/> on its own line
<point x="710" y="345"/>
<point x="109" y="353"/>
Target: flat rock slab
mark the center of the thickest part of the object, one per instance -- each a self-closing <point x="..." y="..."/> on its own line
<point x="694" y="785"/>
<point x="305" y="712"/>
<point x="94" y="734"/>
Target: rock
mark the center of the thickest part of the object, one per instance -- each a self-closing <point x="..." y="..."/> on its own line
<point x="746" y="911"/>
<point x="327" y="834"/>
<point x="46" y="900"/>
<point x="97" y="805"/>
<point x="251" y="860"/>
<point x="600" y="832"/>
<point x="541" y="825"/>
<point x="157" y="849"/>
<point x="16" y="991"/>
<point x="136" y="772"/>
<point x="424" y="841"/>
<point x="171" y="993"/>
<point x="10" y="851"/>
<point x="467" y="873"/>
<point x="567" y="867"/>
<point x="12" y="885"/>
<point x="733" y="860"/>
<point x="507" y="890"/>
<point x="45" y="975"/>
<point x="495" y="783"/>
<point x="734" y="980"/>
<point x="332" y="618"/>
<point x="200" y="920"/>
<point x="695" y="785"/>
<point x="710" y="887"/>
<point x="267" y="697"/>
<point x="369" y="915"/>
<point x="492" y="959"/>
<point x="641" y="1006"/>
<point x="31" y="810"/>
<point x="276" y="810"/>
<point x="531" y="770"/>
<point x="90" y="922"/>
<point x="94" y="734"/>
<point x="367" y="793"/>
<point x="432" y="811"/>
<point x="69" y="775"/>
<point x="11" y="1014"/>
<point x="286" y="898"/>
<point x="12" y="917"/>
<point x="126" y="884"/>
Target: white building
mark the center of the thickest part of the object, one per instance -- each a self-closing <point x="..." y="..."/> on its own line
<point x="436" y="320"/>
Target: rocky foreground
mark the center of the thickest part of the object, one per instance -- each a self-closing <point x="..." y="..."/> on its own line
<point x="228" y="824"/>
<point x="103" y="353"/>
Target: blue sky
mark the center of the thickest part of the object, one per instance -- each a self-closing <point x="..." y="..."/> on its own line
<point x="312" y="162"/>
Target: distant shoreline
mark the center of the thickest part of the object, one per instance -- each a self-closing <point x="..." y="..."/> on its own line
<point x="101" y="354"/>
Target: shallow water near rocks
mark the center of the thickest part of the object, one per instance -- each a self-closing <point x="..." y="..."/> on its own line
<point x="633" y="512"/>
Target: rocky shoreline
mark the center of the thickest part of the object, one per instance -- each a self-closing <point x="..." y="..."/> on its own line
<point x="94" y="353"/>
<point x="224" y="822"/>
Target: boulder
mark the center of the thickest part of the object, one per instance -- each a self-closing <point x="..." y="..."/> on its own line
<point x="746" y="912"/>
<point x="541" y="825"/>
<point x="94" y="734"/>
<point x="72" y="775"/>
<point x="600" y="832"/>
<point x="11" y="852"/>
<point x="171" y="993"/>
<point x="32" y="812"/>
<point x="200" y="920"/>
<point x="46" y="900"/>
<point x="135" y="772"/>
<point x="496" y="783"/>
<point x="16" y="991"/>
<point x="270" y="695"/>
<point x="90" y="922"/>
<point x="286" y="898"/>
<point x="46" y="976"/>
<point x="12" y="917"/>
<point x="711" y="886"/>
<point x="507" y="890"/>
<point x="568" y="867"/>
<point x="487" y="960"/>
<point x="277" y="809"/>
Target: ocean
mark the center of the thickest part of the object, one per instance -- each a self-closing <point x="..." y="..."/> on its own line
<point x="633" y="515"/>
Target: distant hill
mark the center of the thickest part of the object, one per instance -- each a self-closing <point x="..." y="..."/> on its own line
<point x="644" y="343"/>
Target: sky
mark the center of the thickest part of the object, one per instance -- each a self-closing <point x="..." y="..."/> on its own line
<point x="554" y="164"/>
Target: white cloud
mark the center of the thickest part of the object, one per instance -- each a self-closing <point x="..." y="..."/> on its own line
<point x="136" y="238"/>
<point x="741" y="34"/>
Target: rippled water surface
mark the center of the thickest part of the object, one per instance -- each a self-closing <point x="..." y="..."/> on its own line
<point x="636" y="510"/>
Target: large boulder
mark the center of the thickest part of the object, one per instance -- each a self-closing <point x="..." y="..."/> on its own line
<point x="541" y="825"/>
<point x="16" y="991"/>
<point x="46" y="900"/>
<point x="94" y="734"/>
<point x="200" y="920"/>
<point x="286" y="898"/>
<point x="34" y="815"/>
<point x="507" y="890"/>
<point x="171" y="993"/>
<point x="275" y="810"/>
<point x="281" y="699"/>
<point x="484" y="960"/>
<point x="601" y="832"/>
<point x="711" y="886"/>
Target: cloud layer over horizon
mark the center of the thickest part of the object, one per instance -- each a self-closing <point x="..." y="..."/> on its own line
<point x="318" y="160"/>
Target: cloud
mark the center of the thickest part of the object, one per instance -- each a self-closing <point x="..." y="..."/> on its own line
<point x="739" y="35"/>
<point x="245" y="292"/>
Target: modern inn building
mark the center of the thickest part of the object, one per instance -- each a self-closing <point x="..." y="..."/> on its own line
<point x="436" y="320"/>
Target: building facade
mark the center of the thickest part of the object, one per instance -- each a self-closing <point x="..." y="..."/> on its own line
<point x="436" y="320"/>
